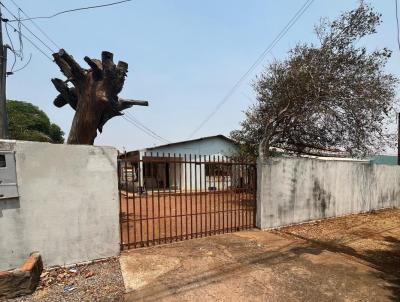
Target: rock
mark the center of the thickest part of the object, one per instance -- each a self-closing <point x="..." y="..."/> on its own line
<point x="23" y="280"/>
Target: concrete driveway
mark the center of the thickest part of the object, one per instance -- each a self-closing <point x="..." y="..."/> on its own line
<point x="334" y="260"/>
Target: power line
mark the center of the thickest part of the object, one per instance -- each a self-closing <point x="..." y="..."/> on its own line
<point x="144" y="130"/>
<point x="73" y="10"/>
<point x="27" y="28"/>
<point x="397" y="24"/>
<point x="281" y="34"/>
<point x="145" y="127"/>
<point x="23" y="67"/>
<point x="33" y="43"/>
<point x="35" y="24"/>
<point x="14" y="52"/>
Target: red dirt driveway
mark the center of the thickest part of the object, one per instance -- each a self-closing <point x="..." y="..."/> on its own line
<point x="354" y="258"/>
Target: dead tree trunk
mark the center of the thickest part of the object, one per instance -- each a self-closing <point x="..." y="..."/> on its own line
<point x="94" y="96"/>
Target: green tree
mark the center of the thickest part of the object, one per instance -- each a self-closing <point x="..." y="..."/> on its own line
<point x="28" y="122"/>
<point x="333" y="96"/>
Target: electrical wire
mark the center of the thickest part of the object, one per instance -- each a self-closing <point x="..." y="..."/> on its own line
<point x="397" y="24"/>
<point x="74" y="10"/>
<point x="145" y="127"/>
<point x="33" y="43"/>
<point x="157" y="137"/>
<point x="12" y="50"/>
<point x="27" y="28"/>
<point x="36" y="25"/>
<point x="23" y="67"/>
<point x="281" y="34"/>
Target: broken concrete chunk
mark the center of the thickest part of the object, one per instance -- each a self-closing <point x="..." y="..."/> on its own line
<point x="23" y="280"/>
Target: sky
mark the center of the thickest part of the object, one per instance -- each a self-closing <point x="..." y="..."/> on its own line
<point x="184" y="57"/>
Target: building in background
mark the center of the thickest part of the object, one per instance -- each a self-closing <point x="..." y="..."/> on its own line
<point x="202" y="164"/>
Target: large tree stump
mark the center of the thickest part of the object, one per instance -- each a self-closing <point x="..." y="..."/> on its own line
<point x="94" y="96"/>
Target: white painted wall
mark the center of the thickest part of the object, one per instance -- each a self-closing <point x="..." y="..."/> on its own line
<point x="294" y="190"/>
<point x="68" y="206"/>
<point x="204" y="150"/>
<point x="207" y="146"/>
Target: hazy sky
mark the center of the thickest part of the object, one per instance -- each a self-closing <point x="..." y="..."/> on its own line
<point x="183" y="56"/>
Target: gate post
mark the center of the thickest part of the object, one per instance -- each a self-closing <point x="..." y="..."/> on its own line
<point x="259" y="186"/>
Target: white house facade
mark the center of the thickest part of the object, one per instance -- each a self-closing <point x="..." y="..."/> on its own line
<point x="202" y="164"/>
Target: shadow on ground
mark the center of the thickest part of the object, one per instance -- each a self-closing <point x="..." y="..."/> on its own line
<point x="354" y="264"/>
<point x="386" y="262"/>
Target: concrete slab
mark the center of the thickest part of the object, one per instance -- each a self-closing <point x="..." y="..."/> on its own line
<point x="142" y="270"/>
<point x="258" y="266"/>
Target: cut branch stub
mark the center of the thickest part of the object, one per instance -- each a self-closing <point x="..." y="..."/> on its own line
<point x="94" y="96"/>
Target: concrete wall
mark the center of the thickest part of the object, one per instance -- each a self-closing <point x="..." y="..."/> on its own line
<point x="67" y="208"/>
<point x="294" y="190"/>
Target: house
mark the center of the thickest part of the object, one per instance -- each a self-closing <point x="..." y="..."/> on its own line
<point x="202" y="164"/>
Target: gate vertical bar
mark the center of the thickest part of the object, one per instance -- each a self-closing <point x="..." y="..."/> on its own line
<point x="190" y="192"/>
<point x="229" y="179"/>
<point x="201" y="199"/>
<point x="181" y="192"/>
<point x="218" y="195"/>
<point x="140" y="200"/>
<point x="237" y="207"/>
<point x="176" y="200"/>
<point x="120" y="200"/>
<point x="186" y="200"/>
<point x="231" y="172"/>
<point x="133" y="204"/>
<point x="233" y="194"/>
<point x="209" y="194"/>
<point x="169" y="196"/>
<point x="158" y="202"/>
<point x="165" y="203"/>
<point x="144" y="191"/>
<point x="195" y="196"/>
<point x="127" y="198"/>
<point x="214" y="195"/>
<point x="152" y="204"/>
<point x="223" y="194"/>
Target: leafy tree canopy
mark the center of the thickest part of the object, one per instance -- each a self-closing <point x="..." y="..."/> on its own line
<point x="28" y="122"/>
<point x="333" y="96"/>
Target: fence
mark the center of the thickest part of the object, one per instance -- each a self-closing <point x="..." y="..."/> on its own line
<point x="67" y="208"/>
<point x="294" y="190"/>
<point x="172" y="197"/>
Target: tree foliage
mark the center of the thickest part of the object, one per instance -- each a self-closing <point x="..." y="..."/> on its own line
<point x="334" y="96"/>
<point x="28" y="122"/>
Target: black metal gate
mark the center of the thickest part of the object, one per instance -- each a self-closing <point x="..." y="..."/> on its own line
<point x="171" y="197"/>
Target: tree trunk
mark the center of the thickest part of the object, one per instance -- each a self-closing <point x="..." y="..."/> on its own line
<point x="94" y="96"/>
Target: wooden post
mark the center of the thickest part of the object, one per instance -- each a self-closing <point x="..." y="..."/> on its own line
<point x="3" y="70"/>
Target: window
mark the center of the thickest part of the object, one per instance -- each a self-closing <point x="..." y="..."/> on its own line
<point x="150" y="170"/>
<point x="128" y="174"/>
<point x="3" y="163"/>
<point x="217" y="169"/>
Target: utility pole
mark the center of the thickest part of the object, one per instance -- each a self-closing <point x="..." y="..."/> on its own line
<point x="3" y="70"/>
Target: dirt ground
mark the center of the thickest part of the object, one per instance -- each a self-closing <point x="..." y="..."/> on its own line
<point x="101" y="281"/>
<point x="354" y="258"/>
